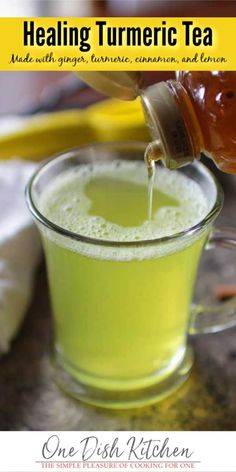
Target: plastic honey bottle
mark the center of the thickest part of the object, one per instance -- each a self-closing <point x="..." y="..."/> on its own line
<point x="186" y="117"/>
<point x="192" y="115"/>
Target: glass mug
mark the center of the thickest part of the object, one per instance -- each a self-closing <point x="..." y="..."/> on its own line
<point x="122" y="323"/>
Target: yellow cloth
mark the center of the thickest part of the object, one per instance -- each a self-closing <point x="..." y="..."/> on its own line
<point x="41" y="136"/>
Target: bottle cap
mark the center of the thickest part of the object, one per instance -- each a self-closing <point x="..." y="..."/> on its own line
<point x="166" y="126"/>
<point x="118" y="84"/>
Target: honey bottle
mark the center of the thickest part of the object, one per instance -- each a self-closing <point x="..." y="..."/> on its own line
<point x="192" y="115"/>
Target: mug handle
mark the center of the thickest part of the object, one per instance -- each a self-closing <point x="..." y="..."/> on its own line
<point x="210" y="319"/>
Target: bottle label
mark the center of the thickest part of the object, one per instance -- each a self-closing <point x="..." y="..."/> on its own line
<point x="166" y="125"/>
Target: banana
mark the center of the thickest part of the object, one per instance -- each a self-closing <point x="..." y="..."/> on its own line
<point x="44" y="135"/>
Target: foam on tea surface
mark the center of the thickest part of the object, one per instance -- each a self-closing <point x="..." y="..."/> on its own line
<point x="109" y="201"/>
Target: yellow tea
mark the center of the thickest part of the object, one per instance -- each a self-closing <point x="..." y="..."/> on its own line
<point x="121" y="312"/>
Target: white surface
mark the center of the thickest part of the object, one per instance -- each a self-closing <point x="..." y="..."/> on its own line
<point x="19" y="248"/>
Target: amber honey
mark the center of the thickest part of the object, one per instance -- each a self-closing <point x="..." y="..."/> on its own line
<point x="193" y="115"/>
<point x="213" y="97"/>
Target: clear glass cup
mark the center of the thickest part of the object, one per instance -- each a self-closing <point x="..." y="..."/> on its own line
<point x="122" y="310"/>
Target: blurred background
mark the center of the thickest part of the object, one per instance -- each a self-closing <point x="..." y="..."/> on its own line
<point x="116" y="7"/>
